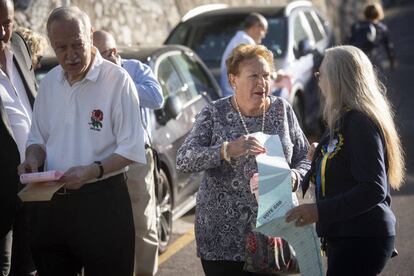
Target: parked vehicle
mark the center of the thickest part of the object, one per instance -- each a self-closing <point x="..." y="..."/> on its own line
<point x="187" y="86"/>
<point x="297" y="35"/>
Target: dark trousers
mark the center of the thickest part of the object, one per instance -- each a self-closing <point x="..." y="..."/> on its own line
<point x="15" y="255"/>
<point x="219" y="268"/>
<point x="91" y="228"/>
<point x="358" y="256"/>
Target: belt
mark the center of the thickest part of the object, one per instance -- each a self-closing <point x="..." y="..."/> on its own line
<point x="94" y="186"/>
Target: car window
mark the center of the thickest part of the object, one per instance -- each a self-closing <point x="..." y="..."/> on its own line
<point x="194" y="76"/>
<point x="170" y="80"/>
<point x="324" y="23"/>
<point x="275" y="39"/>
<point x="179" y="35"/>
<point x="192" y="82"/>
<point x="315" y="26"/>
<point x="209" y="39"/>
<point x="299" y="30"/>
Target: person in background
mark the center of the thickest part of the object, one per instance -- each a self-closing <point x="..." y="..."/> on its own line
<point x="354" y="167"/>
<point x="37" y="45"/>
<point x="141" y="182"/>
<point x="220" y="145"/>
<point x="86" y="124"/>
<point x="371" y="36"/>
<point x="17" y="92"/>
<point x="254" y="30"/>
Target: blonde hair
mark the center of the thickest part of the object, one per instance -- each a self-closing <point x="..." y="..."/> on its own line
<point x="352" y="84"/>
<point x="36" y="42"/>
<point x="244" y="52"/>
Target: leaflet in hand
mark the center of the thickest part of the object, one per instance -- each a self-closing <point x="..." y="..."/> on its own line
<point x="40" y="177"/>
<point x="275" y="199"/>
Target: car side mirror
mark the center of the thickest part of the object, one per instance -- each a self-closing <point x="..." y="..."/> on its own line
<point x="172" y="108"/>
<point x="304" y="47"/>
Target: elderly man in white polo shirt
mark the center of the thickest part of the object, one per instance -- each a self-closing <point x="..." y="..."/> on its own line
<point x="86" y="123"/>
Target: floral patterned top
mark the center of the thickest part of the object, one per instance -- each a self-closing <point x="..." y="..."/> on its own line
<point x="226" y="210"/>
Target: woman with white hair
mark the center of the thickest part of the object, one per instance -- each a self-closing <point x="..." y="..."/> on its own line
<point x="356" y="162"/>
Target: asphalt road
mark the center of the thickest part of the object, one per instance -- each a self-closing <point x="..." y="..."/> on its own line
<point x="182" y="260"/>
<point x="400" y="21"/>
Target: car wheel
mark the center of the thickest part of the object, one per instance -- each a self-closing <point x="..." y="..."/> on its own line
<point x="298" y="107"/>
<point x="163" y="211"/>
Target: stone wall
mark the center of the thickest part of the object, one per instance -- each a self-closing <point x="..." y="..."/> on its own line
<point x="148" y="22"/>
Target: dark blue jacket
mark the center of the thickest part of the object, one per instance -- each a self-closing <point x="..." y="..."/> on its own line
<point x="357" y="197"/>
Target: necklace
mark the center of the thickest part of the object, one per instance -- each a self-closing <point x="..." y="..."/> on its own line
<point x="242" y="117"/>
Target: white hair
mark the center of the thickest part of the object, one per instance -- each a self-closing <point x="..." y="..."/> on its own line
<point x="71" y="13"/>
<point x="352" y="84"/>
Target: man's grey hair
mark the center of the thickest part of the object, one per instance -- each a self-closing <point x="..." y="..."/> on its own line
<point x="8" y="4"/>
<point x="70" y="14"/>
<point x="253" y="19"/>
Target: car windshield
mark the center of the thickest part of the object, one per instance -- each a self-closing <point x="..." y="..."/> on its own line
<point x="210" y="37"/>
<point x="275" y="39"/>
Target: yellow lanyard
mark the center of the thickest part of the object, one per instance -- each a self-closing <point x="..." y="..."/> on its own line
<point x="323" y="170"/>
<point x="331" y="150"/>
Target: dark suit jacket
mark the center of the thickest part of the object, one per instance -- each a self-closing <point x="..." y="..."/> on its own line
<point x="9" y="154"/>
<point x="357" y="193"/>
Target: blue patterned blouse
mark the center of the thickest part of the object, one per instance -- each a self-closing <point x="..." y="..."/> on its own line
<point x="226" y="210"/>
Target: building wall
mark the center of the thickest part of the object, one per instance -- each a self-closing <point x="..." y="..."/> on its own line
<point x="148" y="22"/>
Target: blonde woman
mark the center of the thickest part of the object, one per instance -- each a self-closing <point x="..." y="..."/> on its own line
<point x="356" y="162"/>
<point x="37" y="45"/>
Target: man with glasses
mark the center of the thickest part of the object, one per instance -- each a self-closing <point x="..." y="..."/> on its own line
<point x="141" y="182"/>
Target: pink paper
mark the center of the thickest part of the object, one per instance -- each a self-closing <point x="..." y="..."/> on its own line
<point x="40" y="177"/>
<point x="254" y="185"/>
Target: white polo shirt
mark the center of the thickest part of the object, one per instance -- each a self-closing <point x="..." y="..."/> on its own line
<point x="67" y="123"/>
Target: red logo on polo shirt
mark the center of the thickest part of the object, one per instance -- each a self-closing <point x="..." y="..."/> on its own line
<point x="96" y="120"/>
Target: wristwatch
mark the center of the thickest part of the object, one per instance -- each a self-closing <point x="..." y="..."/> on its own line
<point x="101" y="169"/>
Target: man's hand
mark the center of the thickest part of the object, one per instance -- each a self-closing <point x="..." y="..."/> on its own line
<point x="76" y="177"/>
<point x="29" y="165"/>
<point x="303" y="214"/>
<point x="35" y="157"/>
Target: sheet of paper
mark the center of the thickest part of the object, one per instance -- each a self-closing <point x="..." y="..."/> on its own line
<point x="39" y="191"/>
<point x="275" y="199"/>
<point x="40" y="177"/>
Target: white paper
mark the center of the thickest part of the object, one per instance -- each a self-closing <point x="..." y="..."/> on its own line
<point x="275" y="199"/>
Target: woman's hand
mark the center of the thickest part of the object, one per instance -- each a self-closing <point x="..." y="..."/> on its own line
<point x="294" y="177"/>
<point x="245" y="145"/>
<point x="311" y="151"/>
<point x="303" y="214"/>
